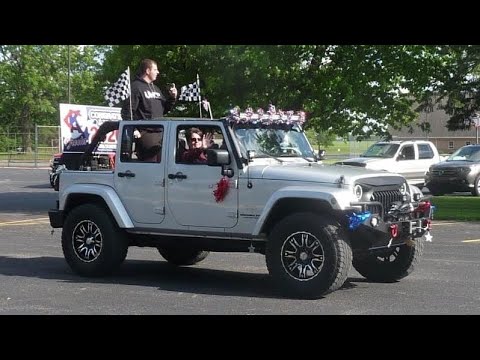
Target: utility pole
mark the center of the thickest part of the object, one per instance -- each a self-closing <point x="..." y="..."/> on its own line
<point x="476" y="121"/>
<point x="69" y="92"/>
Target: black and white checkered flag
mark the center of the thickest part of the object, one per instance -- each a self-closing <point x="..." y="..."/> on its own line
<point x="190" y="92"/>
<point x="120" y="90"/>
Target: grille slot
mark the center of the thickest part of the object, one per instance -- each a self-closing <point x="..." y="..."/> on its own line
<point x="448" y="172"/>
<point x="386" y="198"/>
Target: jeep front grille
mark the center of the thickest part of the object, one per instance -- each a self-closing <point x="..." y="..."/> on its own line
<point x="386" y="198"/>
<point x="446" y="172"/>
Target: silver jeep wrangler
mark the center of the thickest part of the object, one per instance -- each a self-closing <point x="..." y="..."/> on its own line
<point x="257" y="187"/>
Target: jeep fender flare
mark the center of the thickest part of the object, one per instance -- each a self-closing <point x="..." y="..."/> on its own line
<point x="109" y="196"/>
<point x="336" y="198"/>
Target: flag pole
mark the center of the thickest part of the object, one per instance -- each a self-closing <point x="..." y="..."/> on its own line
<point x="210" y="110"/>
<point x="199" y="97"/>
<point x="130" y="93"/>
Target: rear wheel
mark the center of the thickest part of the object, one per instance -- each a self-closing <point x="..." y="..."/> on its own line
<point x="308" y="255"/>
<point x="183" y="257"/>
<point x="56" y="182"/>
<point x="92" y="243"/>
<point x="392" y="265"/>
<point x="52" y="182"/>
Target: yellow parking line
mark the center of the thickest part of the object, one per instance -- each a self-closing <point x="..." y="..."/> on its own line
<point x="29" y="223"/>
<point x="25" y="222"/>
<point x="471" y="241"/>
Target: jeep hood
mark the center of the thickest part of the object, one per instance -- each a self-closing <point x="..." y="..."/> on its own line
<point x="312" y="172"/>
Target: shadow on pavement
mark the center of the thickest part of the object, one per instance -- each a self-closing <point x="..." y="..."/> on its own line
<point x="37" y="203"/>
<point x="157" y="274"/>
<point x="39" y="186"/>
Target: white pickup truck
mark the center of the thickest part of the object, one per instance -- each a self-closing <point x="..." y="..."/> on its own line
<point x="411" y="158"/>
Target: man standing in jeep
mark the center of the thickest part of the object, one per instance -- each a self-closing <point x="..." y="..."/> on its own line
<point x="147" y="101"/>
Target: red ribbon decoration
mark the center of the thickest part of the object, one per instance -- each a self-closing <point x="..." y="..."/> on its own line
<point x="222" y="189"/>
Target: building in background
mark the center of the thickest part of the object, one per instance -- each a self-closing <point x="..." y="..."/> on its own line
<point x="437" y="132"/>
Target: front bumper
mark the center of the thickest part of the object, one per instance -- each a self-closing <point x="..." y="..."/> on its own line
<point x="402" y="223"/>
<point x="451" y="184"/>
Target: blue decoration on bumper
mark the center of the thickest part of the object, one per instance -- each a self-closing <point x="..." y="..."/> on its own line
<point x="355" y="220"/>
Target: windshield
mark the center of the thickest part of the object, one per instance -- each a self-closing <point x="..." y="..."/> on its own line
<point x="381" y="151"/>
<point x="268" y="142"/>
<point x="466" y="153"/>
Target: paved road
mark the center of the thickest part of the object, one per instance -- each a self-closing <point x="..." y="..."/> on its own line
<point x="36" y="280"/>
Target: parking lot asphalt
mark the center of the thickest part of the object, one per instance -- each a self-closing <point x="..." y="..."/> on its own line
<point x="36" y="279"/>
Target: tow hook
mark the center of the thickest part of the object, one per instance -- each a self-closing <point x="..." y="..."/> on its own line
<point x="394" y="230"/>
<point x="393" y="233"/>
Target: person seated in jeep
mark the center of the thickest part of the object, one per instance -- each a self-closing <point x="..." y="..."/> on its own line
<point x="197" y="145"/>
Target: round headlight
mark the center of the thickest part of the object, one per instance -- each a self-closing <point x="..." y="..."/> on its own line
<point x="358" y="192"/>
<point x="403" y="189"/>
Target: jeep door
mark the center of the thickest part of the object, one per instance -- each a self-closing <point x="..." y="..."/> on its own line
<point x="190" y="182"/>
<point x="140" y="171"/>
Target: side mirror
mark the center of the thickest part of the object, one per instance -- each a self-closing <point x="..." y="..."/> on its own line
<point x="217" y="157"/>
<point x="321" y="154"/>
<point x="250" y="155"/>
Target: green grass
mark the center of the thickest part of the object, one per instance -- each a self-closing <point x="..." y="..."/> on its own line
<point x="460" y="208"/>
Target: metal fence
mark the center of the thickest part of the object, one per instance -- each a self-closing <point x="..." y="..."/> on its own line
<point x="34" y="148"/>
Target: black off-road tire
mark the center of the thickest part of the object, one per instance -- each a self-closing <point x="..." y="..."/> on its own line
<point x="56" y="182"/>
<point x="52" y="182"/>
<point x="183" y="256"/>
<point x="396" y="264"/>
<point x="308" y="255"/>
<point x="92" y="242"/>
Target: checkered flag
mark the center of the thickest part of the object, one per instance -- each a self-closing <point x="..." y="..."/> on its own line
<point x="120" y="90"/>
<point x="190" y="92"/>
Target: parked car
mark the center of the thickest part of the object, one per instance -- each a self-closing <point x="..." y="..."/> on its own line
<point x="410" y="158"/>
<point x="460" y="172"/>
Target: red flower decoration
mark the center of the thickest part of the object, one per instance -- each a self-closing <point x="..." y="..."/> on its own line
<point x="222" y="189"/>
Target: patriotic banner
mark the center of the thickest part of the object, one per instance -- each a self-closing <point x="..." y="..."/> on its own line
<point x="79" y="123"/>
<point x="120" y="90"/>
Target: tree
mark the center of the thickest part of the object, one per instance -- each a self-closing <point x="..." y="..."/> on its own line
<point x="457" y="84"/>
<point x="34" y="81"/>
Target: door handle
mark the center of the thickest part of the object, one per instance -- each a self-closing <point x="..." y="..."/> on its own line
<point x="127" y="174"/>
<point x="178" y="175"/>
